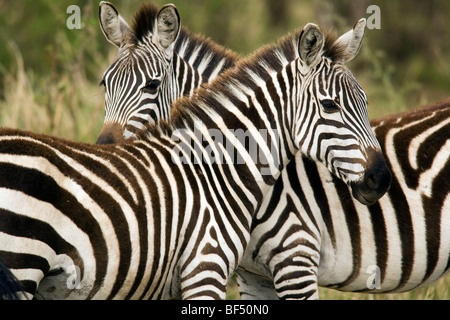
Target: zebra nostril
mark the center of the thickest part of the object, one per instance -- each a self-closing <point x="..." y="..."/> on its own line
<point x="106" y="138"/>
<point x="378" y="177"/>
<point x="373" y="178"/>
<point x="371" y="181"/>
<point x="378" y="180"/>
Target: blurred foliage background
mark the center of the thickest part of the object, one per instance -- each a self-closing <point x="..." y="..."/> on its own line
<point x="49" y="74"/>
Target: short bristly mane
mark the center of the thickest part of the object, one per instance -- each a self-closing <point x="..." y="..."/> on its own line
<point x="187" y="43"/>
<point x="264" y="62"/>
<point x="144" y="21"/>
<point x="267" y="60"/>
<point x="333" y="49"/>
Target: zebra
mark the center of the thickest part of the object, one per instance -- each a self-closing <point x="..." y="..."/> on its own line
<point x="110" y="22"/>
<point x="309" y="231"/>
<point x="291" y="194"/>
<point x="154" y="217"/>
<point x="164" y="114"/>
<point x="157" y="62"/>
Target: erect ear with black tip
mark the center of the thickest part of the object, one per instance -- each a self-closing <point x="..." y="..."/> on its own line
<point x="352" y="40"/>
<point x="113" y="26"/>
<point x="167" y="28"/>
<point x="310" y="44"/>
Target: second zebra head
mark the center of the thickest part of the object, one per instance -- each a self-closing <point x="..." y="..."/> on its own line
<point x="134" y="78"/>
<point x="158" y="61"/>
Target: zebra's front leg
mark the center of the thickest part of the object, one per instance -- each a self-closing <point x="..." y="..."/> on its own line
<point x="204" y="274"/>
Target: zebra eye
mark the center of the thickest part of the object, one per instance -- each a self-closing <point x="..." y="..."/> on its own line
<point x="151" y="86"/>
<point x="329" y="106"/>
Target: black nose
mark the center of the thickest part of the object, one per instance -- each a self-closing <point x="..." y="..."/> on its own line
<point x="376" y="180"/>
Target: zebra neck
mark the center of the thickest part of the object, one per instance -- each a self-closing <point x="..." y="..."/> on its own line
<point x="196" y="60"/>
<point x="240" y="133"/>
<point x="185" y="78"/>
<point x="239" y="127"/>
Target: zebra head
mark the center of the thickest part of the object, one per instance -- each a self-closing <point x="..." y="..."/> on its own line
<point x="335" y="129"/>
<point x="143" y="62"/>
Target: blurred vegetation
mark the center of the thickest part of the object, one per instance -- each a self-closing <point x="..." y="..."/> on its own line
<point x="440" y="290"/>
<point x="49" y="74"/>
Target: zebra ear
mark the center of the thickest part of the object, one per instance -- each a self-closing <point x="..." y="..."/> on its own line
<point x="352" y="40"/>
<point x="167" y="28"/>
<point x="113" y="26"/>
<point x="310" y="43"/>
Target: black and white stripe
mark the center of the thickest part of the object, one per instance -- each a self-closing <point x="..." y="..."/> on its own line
<point x="322" y="81"/>
<point x="134" y="220"/>
<point x="157" y="63"/>
<point x="291" y="201"/>
<point x="310" y="231"/>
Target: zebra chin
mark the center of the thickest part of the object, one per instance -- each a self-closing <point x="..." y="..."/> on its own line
<point x="375" y="181"/>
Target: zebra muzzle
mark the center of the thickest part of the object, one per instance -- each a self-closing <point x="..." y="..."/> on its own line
<point x="375" y="182"/>
<point x="111" y="133"/>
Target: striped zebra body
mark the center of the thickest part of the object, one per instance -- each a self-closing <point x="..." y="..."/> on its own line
<point x="148" y="74"/>
<point x="155" y="217"/>
<point x="288" y="202"/>
<point x="103" y="222"/>
<point x="309" y="231"/>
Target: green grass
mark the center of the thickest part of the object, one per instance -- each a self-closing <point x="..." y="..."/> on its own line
<point x="68" y="106"/>
<point x="440" y="290"/>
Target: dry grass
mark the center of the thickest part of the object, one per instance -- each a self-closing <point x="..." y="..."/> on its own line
<point x="440" y="290"/>
<point x="67" y="106"/>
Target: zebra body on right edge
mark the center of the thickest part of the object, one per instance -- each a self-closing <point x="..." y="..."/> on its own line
<point x="309" y="231"/>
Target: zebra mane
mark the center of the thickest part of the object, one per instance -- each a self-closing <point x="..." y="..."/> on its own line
<point x="144" y="21"/>
<point x="439" y="106"/>
<point x="187" y="43"/>
<point x="260" y="65"/>
<point x="333" y="49"/>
